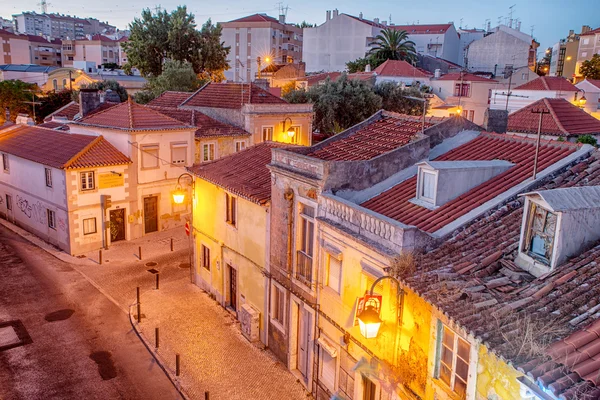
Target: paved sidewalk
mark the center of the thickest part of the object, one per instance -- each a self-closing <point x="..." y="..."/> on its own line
<point x="215" y="357"/>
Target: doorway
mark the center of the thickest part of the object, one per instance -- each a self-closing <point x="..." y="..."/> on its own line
<point x="117" y="225"/>
<point x="303" y="342"/>
<point x="150" y="214"/>
<point x="232" y="287"/>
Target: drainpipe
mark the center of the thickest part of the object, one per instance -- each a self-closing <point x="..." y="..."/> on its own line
<point x="289" y="196"/>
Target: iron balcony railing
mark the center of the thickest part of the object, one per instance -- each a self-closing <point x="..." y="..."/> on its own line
<point x="304" y="268"/>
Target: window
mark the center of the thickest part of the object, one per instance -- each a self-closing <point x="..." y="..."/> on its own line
<point x="231" y="205"/>
<point x="206" y="257"/>
<point x="240" y="145"/>
<point x="584" y="54"/>
<point x="427" y="186"/>
<point x="539" y="233"/>
<point x="278" y="305"/>
<point x="471" y="115"/>
<point x="334" y="273"/>
<point x="328" y="367"/>
<point x="48" y="172"/>
<point x="369" y="389"/>
<point x="267" y="133"/>
<point x="89" y="226"/>
<point x="64" y="83"/>
<point x="296" y="137"/>
<point x="178" y="153"/>
<point x="149" y="156"/>
<point x="462" y="90"/>
<point x="305" y="253"/>
<point x="5" y="165"/>
<point x="453" y="367"/>
<point x="208" y="152"/>
<point x="54" y="83"/>
<point x="8" y="202"/>
<point x="586" y="41"/>
<point x="51" y="219"/>
<point x="87" y="181"/>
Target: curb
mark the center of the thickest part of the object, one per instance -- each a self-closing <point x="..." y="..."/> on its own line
<point x="174" y="380"/>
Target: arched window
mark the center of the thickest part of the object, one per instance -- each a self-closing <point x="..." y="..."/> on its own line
<point x="55" y="84"/>
<point x="64" y="83"/>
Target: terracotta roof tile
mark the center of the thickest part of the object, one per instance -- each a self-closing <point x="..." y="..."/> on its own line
<point x="564" y="119"/>
<point x="312" y="80"/>
<point x="208" y="127"/>
<point x="592" y="32"/>
<point x="554" y="83"/>
<point x="466" y="77"/>
<point x="400" y="68"/>
<point x="71" y="110"/>
<point x="395" y="202"/>
<point x="132" y="116"/>
<point x="371" y="140"/>
<point x="256" y="18"/>
<point x="244" y="173"/>
<point x="170" y="99"/>
<point x="230" y="95"/>
<point x="59" y="150"/>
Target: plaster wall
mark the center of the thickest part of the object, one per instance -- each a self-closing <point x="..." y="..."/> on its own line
<point x="494" y="52"/>
<point x="477" y="101"/>
<point x="523" y="98"/>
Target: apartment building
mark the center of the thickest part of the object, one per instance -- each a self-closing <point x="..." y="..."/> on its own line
<point x="564" y="55"/>
<point x="15" y="48"/>
<point x="97" y="50"/>
<point x="59" y="25"/>
<point x="589" y="44"/>
<point x="29" y="49"/>
<point x="257" y="41"/>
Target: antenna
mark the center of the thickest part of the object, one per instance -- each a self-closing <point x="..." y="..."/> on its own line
<point x="532" y="26"/>
<point x="391" y="19"/>
<point x="510" y="15"/>
<point x="461" y="21"/>
<point x="44" y="6"/>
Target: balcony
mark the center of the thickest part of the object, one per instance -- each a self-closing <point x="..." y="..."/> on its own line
<point x="304" y="268"/>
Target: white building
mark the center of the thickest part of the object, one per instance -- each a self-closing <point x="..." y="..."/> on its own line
<point x="343" y="38"/>
<point x="401" y="72"/>
<point x="467" y="36"/>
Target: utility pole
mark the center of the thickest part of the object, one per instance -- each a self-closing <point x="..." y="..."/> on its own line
<point x="32" y="102"/>
<point x="539" y="136"/>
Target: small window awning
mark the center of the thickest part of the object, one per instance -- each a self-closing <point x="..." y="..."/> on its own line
<point x="327" y="345"/>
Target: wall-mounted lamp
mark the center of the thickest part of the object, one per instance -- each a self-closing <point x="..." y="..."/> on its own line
<point x="290" y="131"/>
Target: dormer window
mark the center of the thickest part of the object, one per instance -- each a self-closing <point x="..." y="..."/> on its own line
<point x="539" y="233"/>
<point x="428" y="181"/>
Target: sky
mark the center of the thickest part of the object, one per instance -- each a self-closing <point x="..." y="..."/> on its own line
<point x="551" y="19"/>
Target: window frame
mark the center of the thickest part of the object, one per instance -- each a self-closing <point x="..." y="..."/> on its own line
<point x="305" y="243"/>
<point x="48" y="175"/>
<point x="179" y="145"/>
<point x="421" y="185"/>
<point x="5" y="163"/>
<point x="262" y="132"/>
<point x="329" y="257"/>
<point x="439" y="360"/>
<point x="278" y="307"/>
<point x="147" y="150"/>
<point x="9" y="206"/>
<point x="529" y="233"/>
<point x="231" y="209"/>
<point x="204" y="153"/>
<point x="205" y="257"/>
<point x="322" y="377"/>
<point x="83" y="224"/>
<point x="86" y="174"/>
<point x="240" y="145"/>
<point x="51" y="216"/>
<point x="459" y="89"/>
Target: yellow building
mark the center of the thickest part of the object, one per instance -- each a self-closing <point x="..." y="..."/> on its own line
<point x="66" y="79"/>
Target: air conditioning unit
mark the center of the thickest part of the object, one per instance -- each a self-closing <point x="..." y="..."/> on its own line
<point x="249" y="319"/>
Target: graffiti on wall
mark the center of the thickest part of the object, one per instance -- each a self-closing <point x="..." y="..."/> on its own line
<point x="35" y="211"/>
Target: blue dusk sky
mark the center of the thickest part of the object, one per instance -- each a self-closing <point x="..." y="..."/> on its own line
<point x="551" y="19"/>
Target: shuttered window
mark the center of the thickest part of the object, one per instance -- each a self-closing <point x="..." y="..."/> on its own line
<point x="334" y="273"/>
<point x="150" y="156"/>
<point x="178" y="153"/>
<point x="328" y="364"/>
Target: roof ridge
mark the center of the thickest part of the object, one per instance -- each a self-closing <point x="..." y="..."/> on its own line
<point x="519" y="138"/>
<point x="129" y="109"/>
<point x="81" y="152"/>
<point x="194" y="93"/>
<point x="60" y="109"/>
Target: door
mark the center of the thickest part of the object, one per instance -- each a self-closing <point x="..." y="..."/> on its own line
<point x="369" y="388"/>
<point x="117" y="225"/>
<point x="150" y="214"/>
<point x="303" y="335"/>
<point x="232" y="287"/>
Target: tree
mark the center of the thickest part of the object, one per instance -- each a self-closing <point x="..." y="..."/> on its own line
<point x="393" y="98"/>
<point x="305" y="24"/>
<point x="590" y="69"/>
<point x="288" y="87"/>
<point x="338" y="104"/>
<point x="177" y="76"/>
<point x="360" y="64"/>
<point x="393" y="44"/>
<point x="104" y="86"/>
<point x="52" y="101"/>
<point x="14" y="95"/>
<point x="173" y="36"/>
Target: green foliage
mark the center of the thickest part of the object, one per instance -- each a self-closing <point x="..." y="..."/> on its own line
<point x="110" y="66"/>
<point x="590" y="69"/>
<point x="587" y="139"/>
<point x="305" y="24"/>
<point x="296" y="96"/>
<point x="288" y="87"/>
<point x="157" y="37"/>
<point x="393" y="44"/>
<point x="394" y="99"/>
<point x="104" y="86"/>
<point x="14" y="95"/>
<point x="177" y="76"/>
<point x="360" y="64"/>
<point x="51" y="102"/>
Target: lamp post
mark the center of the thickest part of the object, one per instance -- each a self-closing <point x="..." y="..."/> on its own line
<point x="369" y="320"/>
<point x="179" y="198"/>
<point x="71" y="78"/>
<point x="290" y="131"/>
<point x="423" y="100"/>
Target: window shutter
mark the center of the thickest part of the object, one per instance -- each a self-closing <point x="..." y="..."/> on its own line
<point x="328" y="370"/>
<point x="179" y="153"/>
<point x="335" y="273"/>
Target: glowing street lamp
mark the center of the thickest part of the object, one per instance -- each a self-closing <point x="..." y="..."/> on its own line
<point x="179" y="193"/>
<point x="290" y="131"/>
<point x="582" y="101"/>
<point x="369" y="320"/>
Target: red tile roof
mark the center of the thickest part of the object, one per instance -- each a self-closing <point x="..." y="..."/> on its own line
<point x="422" y="29"/>
<point x="592" y="32"/>
<point x="557" y="83"/>
<point x="230" y="95"/>
<point x="394" y="203"/>
<point x="312" y="80"/>
<point x="256" y="18"/>
<point x="595" y="82"/>
<point x="473" y="279"/>
<point x="371" y="140"/>
<point x="54" y="125"/>
<point x="208" y="127"/>
<point x="59" y="150"/>
<point x="132" y="116"/>
<point x="400" y="68"/>
<point x="170" y="99"/>
<point x="565" y="119"/>
<point x="466" y="77"/>
<point x="362" y="76"/>
<point x="244" y="173"/>
<point x="70" y="110"/>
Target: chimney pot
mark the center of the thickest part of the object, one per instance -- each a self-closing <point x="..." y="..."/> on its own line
<point x="360" y="16"/>
<point x="336" y="12"/>
<point x="327" y="15"/>
<point x="376" y="20"/>
<point x="89" y="100"/>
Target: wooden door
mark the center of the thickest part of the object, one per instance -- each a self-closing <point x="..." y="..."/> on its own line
<point x="369" y="388"/>
<point x="117" y="225"/>
<point x="232" y="288"/>
<point x="150" y="214"/>
<point x="303" y="341"/>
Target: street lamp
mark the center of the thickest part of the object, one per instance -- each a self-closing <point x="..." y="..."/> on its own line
<point x="179" y="198"/>
<point x="290" y="131"/>
<point x="71" y="78"/>
<point x="582" y="101"/>
<point x="179" y="193"/>
<point x="369" y="320"/>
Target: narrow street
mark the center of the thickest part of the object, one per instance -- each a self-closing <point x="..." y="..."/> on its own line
<point x="76" y="343"/>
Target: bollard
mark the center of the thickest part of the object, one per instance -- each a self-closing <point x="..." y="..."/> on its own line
<point x="140" y="252"/>
<point x="156" y="337"/>
<point x="157" y="281"/>
<point x="100" y="256"/>
<point x="177" y="365"/>
<point x="139" y="306"/>
<point x="171" y="244"/>
<point x="205" y="395"/>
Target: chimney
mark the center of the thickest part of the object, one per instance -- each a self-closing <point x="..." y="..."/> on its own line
<point x="384" y="23"/>
<point x="519" y="26"/>
<point x="360" y="16"/>
<point x="495" y="121"/>
<point x="368" y="68"/>
<point x="571" y="32"/>
<point x="327" y="15"/>
<point x="489" y="26"/>
<point x="281" y="18"/>
<point x="335" y="13"/>
<point x="437" y="74"/>
<point x="376" y="20"/>
<point x="586" y="28"/>
<point x="89" y="100"/>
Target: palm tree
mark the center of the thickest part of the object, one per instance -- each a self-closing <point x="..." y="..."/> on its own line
<point x="393" y="44"/>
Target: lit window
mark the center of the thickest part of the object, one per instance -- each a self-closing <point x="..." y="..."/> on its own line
<point x="178" y="153"/>
<point x="5" y="165"/>
<point x="453" y="362"/>
<point x="305" y="252"/>
<point x="334" y="273"/>
<point x="205" y="257"/>
<point x="87" y="181"/>
<point x="427" y="186"/>
<point x="240" y="145"/>
<point x="149" y="156"/>
<point x="231" y="205"/>
<point x="278" y="305"/>
<point x="89" y="226"/>
<point x="51" y="219"/>
<point x="539" y="233"/>
<point x="208" y="152"/>
<point x="48" y="172"/>
<point x="267" y="133"/>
